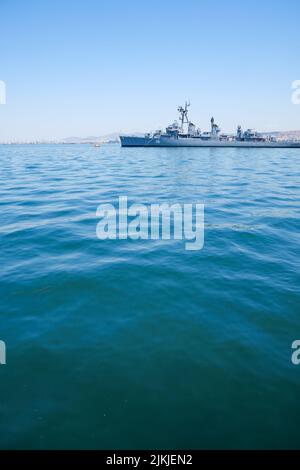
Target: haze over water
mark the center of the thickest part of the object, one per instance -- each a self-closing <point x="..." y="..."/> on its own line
<point x="142" y="344"/>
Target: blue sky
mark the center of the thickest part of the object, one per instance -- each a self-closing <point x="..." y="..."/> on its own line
<point x="93" y="67"/>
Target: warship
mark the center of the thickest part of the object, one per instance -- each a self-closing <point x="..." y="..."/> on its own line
<point x="186" y="134"/>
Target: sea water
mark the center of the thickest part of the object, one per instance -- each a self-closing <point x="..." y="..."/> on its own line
<point x="123" y="344"/>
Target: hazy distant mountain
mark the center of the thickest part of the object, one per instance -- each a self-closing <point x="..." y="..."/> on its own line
<point x="113" y="137"/>
<point x="284" y="135"/>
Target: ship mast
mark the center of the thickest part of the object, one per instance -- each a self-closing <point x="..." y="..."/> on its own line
<point x="183" y="115"/>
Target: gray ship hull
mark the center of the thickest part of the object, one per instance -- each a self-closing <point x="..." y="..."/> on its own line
<point x="132" y="141"/>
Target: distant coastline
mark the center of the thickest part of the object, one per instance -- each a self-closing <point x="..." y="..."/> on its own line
<point x="90" y="140"/>
<point x="113" y="138"/>
<point x="60" y="143"/>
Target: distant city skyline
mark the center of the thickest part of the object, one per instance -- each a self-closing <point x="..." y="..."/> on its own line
<point x="99" y="67"/>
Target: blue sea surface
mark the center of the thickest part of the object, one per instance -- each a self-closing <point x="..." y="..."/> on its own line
<point x="142" y="344"/>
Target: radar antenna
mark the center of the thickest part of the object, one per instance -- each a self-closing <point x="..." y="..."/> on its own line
<point x="183" y="114"/>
